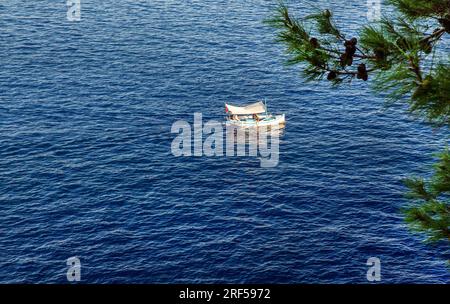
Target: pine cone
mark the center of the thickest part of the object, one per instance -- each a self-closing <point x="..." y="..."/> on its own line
<point x="350" y="50"/>
<point x="346" y="59"/>
<point x="362" y="68"/>
<point x="332" y="75"/>
<point x="349" y="61"/>
<point x="445" y="22"/>
<point x="314" y="43"/>
<point x="362" y="72"/>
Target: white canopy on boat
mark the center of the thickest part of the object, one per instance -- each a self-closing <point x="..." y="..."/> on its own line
<point x="254" y="108"/>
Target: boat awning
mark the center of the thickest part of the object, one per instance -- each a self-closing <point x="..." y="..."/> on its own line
<point x="254" y="108"/>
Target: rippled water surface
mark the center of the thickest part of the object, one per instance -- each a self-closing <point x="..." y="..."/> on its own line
<point x="86" y="168"/>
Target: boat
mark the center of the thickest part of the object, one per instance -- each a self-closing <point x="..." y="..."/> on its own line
<point x="253" y="115"/>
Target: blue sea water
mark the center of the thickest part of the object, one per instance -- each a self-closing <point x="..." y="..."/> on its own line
<point x="86" y="168"/>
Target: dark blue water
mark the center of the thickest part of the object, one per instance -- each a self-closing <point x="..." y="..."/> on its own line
<point x="86" y="168"/>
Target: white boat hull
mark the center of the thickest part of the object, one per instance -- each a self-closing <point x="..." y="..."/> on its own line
<point x="277" y="121"/>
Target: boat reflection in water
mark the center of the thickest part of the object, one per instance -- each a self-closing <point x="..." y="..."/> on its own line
<point x="261" y="142"/>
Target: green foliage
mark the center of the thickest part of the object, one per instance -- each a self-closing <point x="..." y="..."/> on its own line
<point x="414" y="9"/>
<point x="321" y="50"/>
<point x="396" y="51"/>
<point x="324" y="23"/>
<point x="394" y="40"/>
<point x="432" y="96"/>
<point x="396" y="82"/>
<point x="430" y="212"/>
<point x="398" y="54"/>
